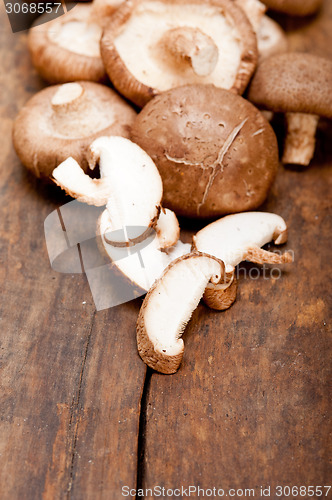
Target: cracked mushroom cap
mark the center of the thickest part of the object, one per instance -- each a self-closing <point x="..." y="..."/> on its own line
<point x="151" y="46"/>
<point x="293" y="82"/>
<point x="294" y="7"/>
<point x="68" y="47"/>
<point x="168" y="306"/>
<point x="63" y="120"/>
<point x="215" y="152"/>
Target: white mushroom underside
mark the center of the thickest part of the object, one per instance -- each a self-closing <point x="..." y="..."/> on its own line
<point x="136" y="186"/>
<point x="77" y="36"/>
<point x="142" y="263"/>
<point x="174" y="299"/>
<point x="137" y="44"/>
<point x="230" y="237"/>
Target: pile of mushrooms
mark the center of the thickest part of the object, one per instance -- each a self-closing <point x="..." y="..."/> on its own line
<point x="197" y="148"/>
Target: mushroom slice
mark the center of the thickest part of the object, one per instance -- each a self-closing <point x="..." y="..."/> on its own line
<point x="239" y="237"/>
<point x="299" y="85"/>
<point x="141" y="262"/>
<point x="168" y="306"/>
<point x="67" y="48"/>
<point x="129" y="184"/>
<point x="294" y="7"/>
<point x="150" y="46"/>
<point x="63" y="120"/>
<point x="167" y="228"/>
<point x="215" y="152"/>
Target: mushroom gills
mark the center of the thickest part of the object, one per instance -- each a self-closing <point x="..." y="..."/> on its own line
<point x="142" y="37"/>
<point x="168" y="307"/>
<point x="78" y="36"/>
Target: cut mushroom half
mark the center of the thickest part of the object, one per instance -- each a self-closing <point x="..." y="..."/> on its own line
<point x="235" y="238"/>
<point x="130" y="185"/>
<point x="299" y="85"/>
<point x="143" y="260"/>
<point x="168" y="307"/>
<point x="63" y="120"/>
<point x="150" y="46"/>
<point x="239" y="237"/>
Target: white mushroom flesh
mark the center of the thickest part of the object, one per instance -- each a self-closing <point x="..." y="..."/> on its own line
<point x="167" y="228"/>
<point x="129" y="184"/>
<point x="271" y="39"/>
<point x="138" y="44"/>
<point x="144" y="262"/>
<point x="77" y="36"/>
<point x="300" y="139"/>
<point x="254" y="10"/>
<point x="136" y="183"/>
<point x="175" y="297"/>
<point x="230" y="237"/>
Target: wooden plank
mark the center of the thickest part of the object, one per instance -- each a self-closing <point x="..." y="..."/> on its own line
<point x="69" y="374"/>
<point x="250" y="405"/>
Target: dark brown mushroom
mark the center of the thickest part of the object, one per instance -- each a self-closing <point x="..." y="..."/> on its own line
<point x="299" y="85"/>
<point x="215" y="152"/>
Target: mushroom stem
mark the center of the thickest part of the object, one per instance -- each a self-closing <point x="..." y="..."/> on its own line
<point x="300" y="138"/>
<point x="260" y="256"/>
<point x="192" y="45"/>
<point x="221" y="296"/>
<point x="68" y="98"/>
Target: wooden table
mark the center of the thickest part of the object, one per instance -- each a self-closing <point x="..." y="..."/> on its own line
<point x="82" y="417"/>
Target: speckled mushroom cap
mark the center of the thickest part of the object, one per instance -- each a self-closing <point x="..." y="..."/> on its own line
<point x="293" y="82"/>
<point x="67" y="48"/>
<point x="215" y="151"/>
<point x="294" y="7"/>
<point x="63" y="120"/>
<point x="150" y="46"/>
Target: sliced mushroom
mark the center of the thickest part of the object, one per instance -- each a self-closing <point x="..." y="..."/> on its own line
<point x="240" y="237"/>
<point x="130" y="184"/>
<point x="150" y="46"/>
<point x="63" y="120"/>
<point x="168" y="306"/>
<point x="299" y="85"/>
<point x="294" y="7"/>
<point x="141" y="262"/>
<point x="215" y="152"/>
<point x="67" y="48"/>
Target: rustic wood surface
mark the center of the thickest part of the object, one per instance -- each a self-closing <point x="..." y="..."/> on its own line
<point x="80" y="414"/>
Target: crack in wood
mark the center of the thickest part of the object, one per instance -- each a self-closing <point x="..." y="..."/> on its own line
<point x="141" y="440"/>
<point x="75" y="412"/>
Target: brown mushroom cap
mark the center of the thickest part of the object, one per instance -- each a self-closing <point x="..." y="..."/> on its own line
<point x="215" y="152"/>
<point x="141" y="64"/>
<point x="67" y="48"/>
<point x="63" y="120"/>
<point x="293" y="82"/>
<point x="294" y="7"/>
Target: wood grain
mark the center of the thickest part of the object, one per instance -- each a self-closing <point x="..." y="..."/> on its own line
<point x="71" y="379"/>
<point x="250" y="404"/>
